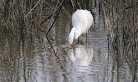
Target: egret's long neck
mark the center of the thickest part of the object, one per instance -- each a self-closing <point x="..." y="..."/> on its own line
<point x="71" y="35"/>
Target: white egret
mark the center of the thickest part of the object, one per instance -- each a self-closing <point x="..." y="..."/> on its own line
<point x="81" y="21"/>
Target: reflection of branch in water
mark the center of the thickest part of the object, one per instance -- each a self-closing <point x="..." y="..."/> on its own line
<point x="51" y="46"/>
<point x="81" y="57"/>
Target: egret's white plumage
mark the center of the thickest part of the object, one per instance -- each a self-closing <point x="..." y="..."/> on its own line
<point x="81" y="21"/>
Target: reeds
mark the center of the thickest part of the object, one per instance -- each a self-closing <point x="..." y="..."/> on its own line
<point x="122" y="24"/>
<point x="21" y="16"/>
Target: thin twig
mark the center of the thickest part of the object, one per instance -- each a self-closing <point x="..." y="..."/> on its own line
<point x="33" y="8"/>
<point x="72" y="3"/>
<point x="53" y="13"/>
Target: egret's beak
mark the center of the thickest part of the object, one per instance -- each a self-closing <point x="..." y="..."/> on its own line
<point x="70" y="46"/>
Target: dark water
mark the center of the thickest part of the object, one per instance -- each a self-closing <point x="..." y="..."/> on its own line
<point x="36" y="58"/>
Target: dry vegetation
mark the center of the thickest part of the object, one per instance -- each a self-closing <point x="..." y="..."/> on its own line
<point x="121" y="18"/>
<point x="20" y="16"/>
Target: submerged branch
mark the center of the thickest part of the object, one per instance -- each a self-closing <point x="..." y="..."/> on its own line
<point x="59" y="9"/>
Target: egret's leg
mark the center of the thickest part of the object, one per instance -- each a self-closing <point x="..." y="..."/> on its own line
<point x="86" y="37"/>
<point x="78" y="40"/>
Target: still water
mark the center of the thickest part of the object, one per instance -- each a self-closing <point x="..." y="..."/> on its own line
<point x="37" y="58"/>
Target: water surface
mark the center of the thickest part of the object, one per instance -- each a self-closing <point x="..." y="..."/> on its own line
<point x="37" y="58"/>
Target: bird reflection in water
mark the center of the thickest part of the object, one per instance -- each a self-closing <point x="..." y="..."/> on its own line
<point x="81" y="57"/>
